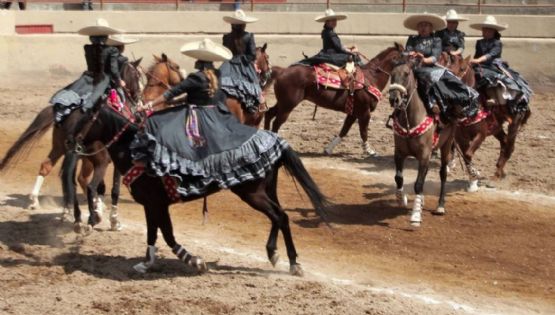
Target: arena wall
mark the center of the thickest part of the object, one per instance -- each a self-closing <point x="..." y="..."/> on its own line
<point x="528" y="43"/>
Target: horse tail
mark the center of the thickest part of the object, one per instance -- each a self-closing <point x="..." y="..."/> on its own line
<point x="40" y="125"/>
<point x="295" y="167"/>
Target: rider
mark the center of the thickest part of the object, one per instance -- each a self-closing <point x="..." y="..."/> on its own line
<point x="452" y="40"/>
<point x="102" y="73"/>
<point x="437" y="87"/>
<point x="239" y="77"/>
<point x="119" y="41"/>
<point x="332" y="51"/>
<point x="491" y="71"/>
<point x="199" y="144"/>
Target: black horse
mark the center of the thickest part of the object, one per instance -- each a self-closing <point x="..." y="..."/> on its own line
<point x="117" y="133"/>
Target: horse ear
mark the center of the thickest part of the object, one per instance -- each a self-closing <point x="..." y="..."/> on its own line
<point x="164" y="57"/>
<point x="264" y="47"/>
<point x="399" y="47"/>
<point x="156" y="58"/>
<point x="137" y="62"/>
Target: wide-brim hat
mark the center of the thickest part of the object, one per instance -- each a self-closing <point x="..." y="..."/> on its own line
<point x="206" y="50"/>
<point x="452" y="15"/>
<point x="239" y="17"/>
<point x="102" y="28"/>
<point x="330" y="15"/>
<point x="120" y="40"/>
<point x="489" y="22"/>
<point x="437" y="22"/>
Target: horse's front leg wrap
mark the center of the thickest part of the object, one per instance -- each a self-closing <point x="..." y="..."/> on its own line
<point x="143" y="267"/>
<point x="115" y="225"/>
<point x="190" y="260"/>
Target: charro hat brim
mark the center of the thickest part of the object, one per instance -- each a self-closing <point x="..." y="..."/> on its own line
<point x="243" y="20"/>
<point x="206" y="50"/>
<point x="324" y="18"/>
<point x="437" y="22"/>
<point x="120" y="40"/>
<point x="497" y="27"/>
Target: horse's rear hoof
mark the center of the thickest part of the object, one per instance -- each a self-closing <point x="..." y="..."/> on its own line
<point x="141" y="267"/>
<point x="274" y="259"/>
<point x="439" y="211"/>
<point x="472" y="186"/>
<point x="296" y="270"/>
<point x="415" y="223"/>
<point x="198" y="264"/>
<point x="34" y="202"/>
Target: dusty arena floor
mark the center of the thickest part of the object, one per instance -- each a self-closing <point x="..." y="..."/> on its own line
<point x="492" y="253"/>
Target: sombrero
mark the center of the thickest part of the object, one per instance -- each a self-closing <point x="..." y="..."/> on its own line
<point x="206" y="50"/>
<point x="489" y="22"/>
<point x="437" y="22"/>
<point x="102" y="28"/>
<point x="120" y="40"/>
<point x="452" y="15"/>
<point x="239" y="17"/>
<point x="330" y="15"/>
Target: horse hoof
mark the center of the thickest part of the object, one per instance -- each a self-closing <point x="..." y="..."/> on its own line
<point x="34" y="202"/>
<point x="472" y="186"/>
<point x="439" y="211"/>
<point x="296" y="270"/>
<point x="77" y="227"/>
<point x="274" y="259"/>
<point x="371" y="153"/>
<point x="141" y="267"/>
<point x="198" y="264"/>
<point x="415" y="223"/>
<point x="115" y="226"/>
<point x="402" y="201"/>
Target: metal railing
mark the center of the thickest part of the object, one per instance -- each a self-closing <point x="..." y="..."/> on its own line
<point x="477" y="6"/>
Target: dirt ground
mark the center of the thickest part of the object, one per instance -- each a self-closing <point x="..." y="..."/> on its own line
<point x="492" y="253"/>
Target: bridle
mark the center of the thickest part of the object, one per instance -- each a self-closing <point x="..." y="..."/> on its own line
<point x="405" y="97"/>
<point x="264" y="77"/>
<point x="159" y="82"/>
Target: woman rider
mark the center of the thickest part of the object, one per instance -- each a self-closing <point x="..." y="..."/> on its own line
<point x="239" y="78"/>
<point x="119" y="41"/>
<point x="102" y="73"/>
<point x="452" y="40"/>
<point x="436" y="85"/>
<point x="332" y="51"/>
<point x="201" y="144"/>
<point x="491" y="71"/>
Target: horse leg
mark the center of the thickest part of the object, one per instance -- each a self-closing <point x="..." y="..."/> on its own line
<point x="165" y="224"/>
<point x="363" y="123"/>
<point x="115" y="224"/>
<point x="254" y="195"/>
<point x="280" y="119"/>
<point x="85" y="174"/>
<point x="513" y="129"/>
<point x="399" y="194"/>
<point x="468" y="154"/>
<point x="445" y="157"/>
<point x="416" y="214"/>
<point x="268" y="116"/>
<point x="347" y="124"/>
<point x="45" y="168"/>
<point x="501" y="136"/>
<point x="95" y="211"/>
<point x="152" y="231"/>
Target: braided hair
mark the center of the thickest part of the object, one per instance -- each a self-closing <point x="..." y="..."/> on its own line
<point x="207" y="67"/>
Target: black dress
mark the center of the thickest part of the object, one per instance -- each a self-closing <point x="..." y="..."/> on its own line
<point x="332" y="52"/>
<point x="451" y="41"/>
<point x="238" y="75"/>
<point x="203" y="146"/>
<point x="494" y="72"/>
<point x="439" y="84"/>
<point x="102" y="73"/>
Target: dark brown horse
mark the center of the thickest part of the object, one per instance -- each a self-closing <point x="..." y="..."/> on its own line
<point x="414" y="136"/>
<point x="91" y="165"/>
<point x="261" y="194"/>
<point x="164" y="74"/>
<point x="470" y="136"/>
<point x="298" y="82"/>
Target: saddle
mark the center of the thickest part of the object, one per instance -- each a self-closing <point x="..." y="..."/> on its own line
<point x="332" y="76"/>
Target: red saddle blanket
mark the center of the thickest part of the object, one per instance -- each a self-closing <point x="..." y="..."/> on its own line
<point x="331" y="77"/>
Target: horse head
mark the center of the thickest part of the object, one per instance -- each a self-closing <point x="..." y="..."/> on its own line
<point x="263" y="65"/>
<point x="162" y="75"/>
<point x="403" y="82"/>
<point x="132" y="76"/>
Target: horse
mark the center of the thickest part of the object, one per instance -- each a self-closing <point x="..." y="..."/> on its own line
<point x="490" y="120"/>
<point x="298" y="82"/>
<point x="116" y="133"/>
<point x="96" y="163"/>
<point x="164" y="74"/>
<point x="414" y="133"/>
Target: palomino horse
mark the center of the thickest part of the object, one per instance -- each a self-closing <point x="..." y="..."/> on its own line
<point x="298" y="82"/>
<point x="164" y="74"/>
<point x="261" y="194"/>
<point x="414" y="136"/>
<point x="96" y="163"/>
<point x="469" y="136"/>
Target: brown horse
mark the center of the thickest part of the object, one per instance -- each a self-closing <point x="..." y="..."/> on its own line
<point x="164" y="74"/>
<point x="414" y="136"/>
<point x="470" y="136"/>
<point x="91" y="165"/>
<point x="298" y="82"/>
